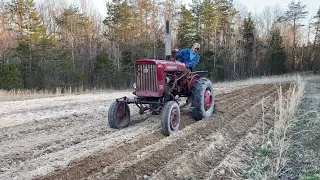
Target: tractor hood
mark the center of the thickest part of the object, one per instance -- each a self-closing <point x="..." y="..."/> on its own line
<point x="167" y="65"/>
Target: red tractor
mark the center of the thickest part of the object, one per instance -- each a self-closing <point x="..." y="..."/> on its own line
<point x="159" y="85"/>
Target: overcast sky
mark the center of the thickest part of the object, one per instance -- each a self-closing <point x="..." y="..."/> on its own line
<point x="255" y="6"/>
<point x="101" y="6"/>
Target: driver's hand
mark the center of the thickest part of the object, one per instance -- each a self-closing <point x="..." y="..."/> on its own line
<point x="187" y="67"/>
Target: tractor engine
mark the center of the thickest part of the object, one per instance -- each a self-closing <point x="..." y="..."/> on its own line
<point x="154" y="77"/>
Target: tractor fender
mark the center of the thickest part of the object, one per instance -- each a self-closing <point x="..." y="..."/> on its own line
<point x="192" y="81"/>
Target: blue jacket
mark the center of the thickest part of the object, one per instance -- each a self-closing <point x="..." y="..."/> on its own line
<point x="184" y="57"/>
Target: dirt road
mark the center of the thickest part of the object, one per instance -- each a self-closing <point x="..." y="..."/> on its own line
<point x="69" y="138"/>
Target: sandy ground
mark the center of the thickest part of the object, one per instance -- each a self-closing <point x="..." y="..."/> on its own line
<point x="68" y="137"/>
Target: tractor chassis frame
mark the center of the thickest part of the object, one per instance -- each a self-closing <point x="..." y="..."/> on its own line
<point x="141" y="101"/>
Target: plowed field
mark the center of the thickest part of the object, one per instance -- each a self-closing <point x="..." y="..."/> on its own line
<point x="68" y="138"/>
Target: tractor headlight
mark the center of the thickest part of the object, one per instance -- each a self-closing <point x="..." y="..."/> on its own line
<point x="134" y="85"/>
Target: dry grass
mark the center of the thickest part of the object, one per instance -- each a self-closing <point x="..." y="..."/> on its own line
<point x="261" y="80"/>
<point x="33" y="93"/>
<point x="270" y="158"/>
<point x="285" y="117"/>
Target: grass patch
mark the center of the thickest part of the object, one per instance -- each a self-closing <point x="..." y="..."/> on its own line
<point x="270" y="158"/>
<point x="313" y="174"/>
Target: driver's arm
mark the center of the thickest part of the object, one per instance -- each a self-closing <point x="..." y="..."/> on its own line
<point x="193" y="62"/>
<point x="180" y="54"/>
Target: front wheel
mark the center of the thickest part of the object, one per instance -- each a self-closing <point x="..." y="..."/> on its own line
<point x="119" y="115"/>
<point x="203" y="99"/>
<point x="170" y="119"/>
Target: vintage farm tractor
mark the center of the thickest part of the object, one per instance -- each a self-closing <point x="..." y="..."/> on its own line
<point x="159" y="84"/>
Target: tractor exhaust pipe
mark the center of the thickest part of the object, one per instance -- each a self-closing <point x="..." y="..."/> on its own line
<point x="168" y="42"/>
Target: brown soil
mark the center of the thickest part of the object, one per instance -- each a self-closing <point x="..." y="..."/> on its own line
<point x="82" y="145"/>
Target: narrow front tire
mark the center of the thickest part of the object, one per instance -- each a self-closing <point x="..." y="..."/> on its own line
<point x="170" y="118"/>
<point x="119" y="115"/>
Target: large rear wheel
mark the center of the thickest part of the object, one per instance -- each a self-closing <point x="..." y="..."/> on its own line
<point x="170" y="118"/>
<point x="119" y="115"/>
<point x="203" y="99"/>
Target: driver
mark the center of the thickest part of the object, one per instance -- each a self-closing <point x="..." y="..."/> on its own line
<point x="188" y="56"/>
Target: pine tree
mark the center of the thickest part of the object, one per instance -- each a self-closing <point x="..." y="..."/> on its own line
<point x="187" y="34"/>
<point x="209" y="22"/>
<point x="9" y="77"/>
<point x="248" y="37"/>
<point x="31" y="33"/>
<point x="226" y="12"/>
<point x="293" y="16"/>
<point x="122" y="22"/>
<point x="276" y="53"/>
<point x="316" y="44"/>
<point x="75" y="37"/>
<point x="317" y="28"/>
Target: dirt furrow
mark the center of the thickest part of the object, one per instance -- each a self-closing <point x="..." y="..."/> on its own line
<point x="240" y="93"/>
<point x="56" y="160"/>
<point x="153" y="157"/>
<point x="238" y="159"/>
<point x="75" y="120"/>
<point x="86" y="145"/>
<point x="50" y="136"/>
<point x="20" y="112"/>
<point x="210" y="153"/>
<point x="97" y="168"/>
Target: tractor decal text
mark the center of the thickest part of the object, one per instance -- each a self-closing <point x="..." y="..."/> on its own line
<point x="172" y="67"/>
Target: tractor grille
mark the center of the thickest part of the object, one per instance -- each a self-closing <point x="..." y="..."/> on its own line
<point x="146" y="77"/>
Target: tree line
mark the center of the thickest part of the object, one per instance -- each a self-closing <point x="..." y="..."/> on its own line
<point x="50" y="44"/>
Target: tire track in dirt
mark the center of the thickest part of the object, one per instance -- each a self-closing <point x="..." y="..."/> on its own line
<point x="96" y="165"/>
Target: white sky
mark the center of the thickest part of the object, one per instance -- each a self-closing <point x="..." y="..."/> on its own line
<point x="255" y="6"/>
<point x="101" y="6"/>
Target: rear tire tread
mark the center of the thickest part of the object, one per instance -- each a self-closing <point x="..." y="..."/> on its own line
<point x="198" y="90"/>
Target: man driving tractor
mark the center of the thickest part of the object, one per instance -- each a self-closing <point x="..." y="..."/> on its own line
<point x="160" y="83"/>
<point x="188" y="56"/>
